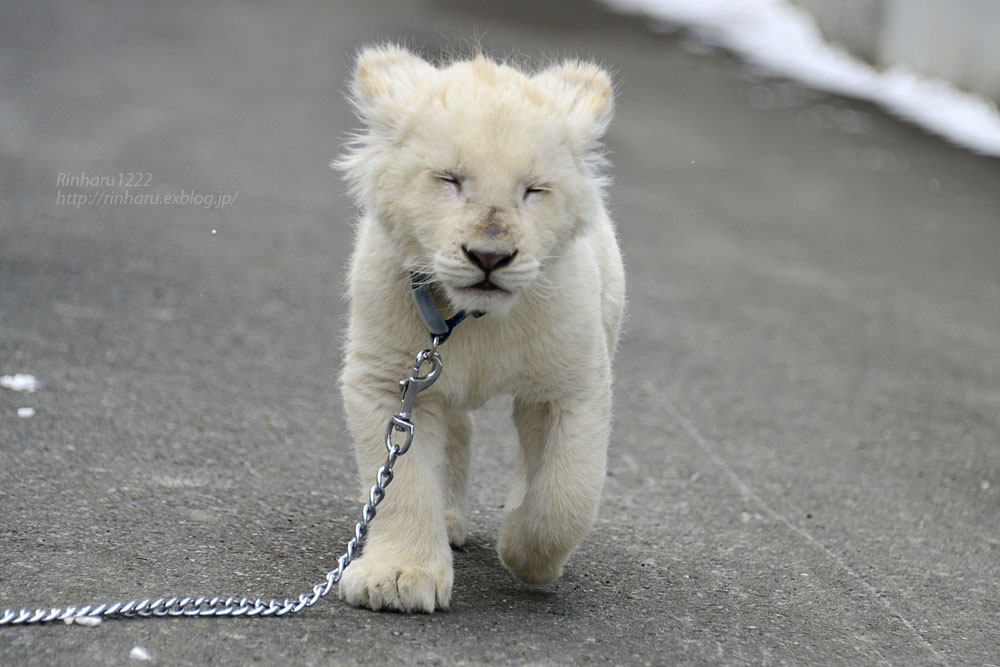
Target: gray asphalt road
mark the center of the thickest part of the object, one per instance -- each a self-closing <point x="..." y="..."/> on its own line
<point x="805" y="464"/>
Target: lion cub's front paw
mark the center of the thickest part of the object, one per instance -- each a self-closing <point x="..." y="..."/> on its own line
<point x="382" y="585"/>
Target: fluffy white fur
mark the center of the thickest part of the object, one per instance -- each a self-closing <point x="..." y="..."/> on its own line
<point x="460" y="167"/>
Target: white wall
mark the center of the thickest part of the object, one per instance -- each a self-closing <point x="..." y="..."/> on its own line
<point x="957" y="40"/>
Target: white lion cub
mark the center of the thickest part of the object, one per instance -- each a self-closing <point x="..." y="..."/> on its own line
<point x="485" y="179"/>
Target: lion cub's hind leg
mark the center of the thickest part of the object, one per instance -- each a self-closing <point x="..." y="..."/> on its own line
<point x="456" y="493"/>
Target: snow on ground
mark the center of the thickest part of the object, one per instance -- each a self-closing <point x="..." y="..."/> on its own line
<point x="19" y="382"/>
<point x="786" y="40"/>
<point x="139" y="653"/>
<point x="89" y="621"/>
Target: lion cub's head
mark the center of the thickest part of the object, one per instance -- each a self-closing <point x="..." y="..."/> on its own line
<point x="480" y="173"/>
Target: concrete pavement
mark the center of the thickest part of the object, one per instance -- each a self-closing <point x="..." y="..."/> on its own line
<point x="805" y="465"/>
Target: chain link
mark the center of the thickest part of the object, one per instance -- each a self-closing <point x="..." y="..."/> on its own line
<point x="401" y="422"/>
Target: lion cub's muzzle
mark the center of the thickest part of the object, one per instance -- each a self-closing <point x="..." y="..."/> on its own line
<point x="491" y="249"/>
<point x="488" y="262"/>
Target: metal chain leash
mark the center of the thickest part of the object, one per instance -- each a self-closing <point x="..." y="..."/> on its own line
<point x="401" y="423"/>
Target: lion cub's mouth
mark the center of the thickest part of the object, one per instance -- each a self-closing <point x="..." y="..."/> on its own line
<point x="485" y="286"/>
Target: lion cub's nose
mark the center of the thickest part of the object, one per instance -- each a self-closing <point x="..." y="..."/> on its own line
<point x="488" y="261"/>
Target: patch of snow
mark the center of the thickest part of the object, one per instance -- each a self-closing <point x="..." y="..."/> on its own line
<point x="786" y="40"/>
<point x="19" y="382"/>
<point x="139" y="653"/>
<point x="25" y="412"/>
<point x="89" y="621"/>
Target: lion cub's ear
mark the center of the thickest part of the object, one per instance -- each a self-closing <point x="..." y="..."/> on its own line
<point x="387" y="82"/>
<point x="587" y="91"/>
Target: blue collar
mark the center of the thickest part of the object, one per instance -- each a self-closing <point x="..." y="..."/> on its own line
<point x="438" y="327"/>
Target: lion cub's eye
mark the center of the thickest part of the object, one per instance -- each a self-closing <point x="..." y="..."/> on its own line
<point x="536" y="190"/>
<point x="448" y="177"/>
